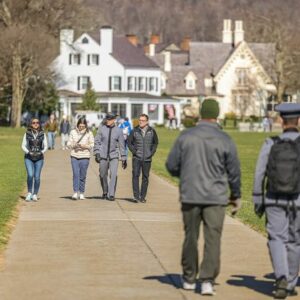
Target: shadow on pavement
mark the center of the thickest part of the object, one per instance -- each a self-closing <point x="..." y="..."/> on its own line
<point x="171" y="279"/>
<point x="261" y="286"/>
<point x="126" y="199"/>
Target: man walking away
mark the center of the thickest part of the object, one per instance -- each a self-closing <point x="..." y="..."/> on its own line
<point x="109" y="146"/>
<point x="65" y="129"/>
<point x="278" y="162"/>
<point x="51" y="129"/>
<point x="142" y="142"/>
<point x="205" y="159"/>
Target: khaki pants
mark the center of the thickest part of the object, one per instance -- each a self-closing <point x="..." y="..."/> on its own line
<point x="212" y="217"/>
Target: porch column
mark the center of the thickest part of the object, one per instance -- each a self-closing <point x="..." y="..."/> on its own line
<point x="161" y="113"/>
<point x="178" y="113"/>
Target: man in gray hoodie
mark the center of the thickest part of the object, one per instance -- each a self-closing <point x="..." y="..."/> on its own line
<point x="278" y="162"/>
<point x="206" y="161"/>
<point x="109" y="146"/>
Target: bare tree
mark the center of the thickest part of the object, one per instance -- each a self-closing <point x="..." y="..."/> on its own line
<point x="27" y="42"/>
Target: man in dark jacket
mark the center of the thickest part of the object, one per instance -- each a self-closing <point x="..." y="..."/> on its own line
<point x="205" y="159"/>
<point x="142" y="142"/>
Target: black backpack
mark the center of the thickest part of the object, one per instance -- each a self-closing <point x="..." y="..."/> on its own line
<point x="283" y="168"/>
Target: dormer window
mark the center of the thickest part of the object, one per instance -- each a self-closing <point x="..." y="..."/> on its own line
<point x="190" y="81"/>
<point x="85" y="40"/>
<point x="142" y="83"/>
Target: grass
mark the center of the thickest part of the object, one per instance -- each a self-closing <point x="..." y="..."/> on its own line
<point x="248" y="144"/>
<point x="12" y="177"/>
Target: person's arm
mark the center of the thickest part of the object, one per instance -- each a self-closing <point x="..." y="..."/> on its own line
<point x="91" y="142"/>
<point x="71" y="141"/>
<point x="24" y="144"/>
<point x="121" y="142"/>
<point x="232" y="165"/>
<point x="97" y="141"/>
<point x="173" y="163"/>
<point x="130" y="142"/>
<point x="155" y="143"/>
<point x="45" y="144"/>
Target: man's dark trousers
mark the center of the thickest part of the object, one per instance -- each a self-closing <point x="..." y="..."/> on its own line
<point x="137" y="167"/>
<point x="212" y="217"/>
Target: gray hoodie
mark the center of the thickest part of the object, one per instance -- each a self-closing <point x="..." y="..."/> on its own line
<point x="205" y="159"/>
<point x="110" y="143"/>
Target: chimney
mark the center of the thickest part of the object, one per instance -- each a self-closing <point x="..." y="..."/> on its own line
<point x="151" y="49"/>
<point x="154" y="39"/>
<point x="167" y="65"/>
<point x="185" y="44"/>
<point x="132" y="38"/>
<point x="227" y="32"/>
<point x="106" y="35"/>
<point x="238" y="32"/>
<point x="66" y="37"/>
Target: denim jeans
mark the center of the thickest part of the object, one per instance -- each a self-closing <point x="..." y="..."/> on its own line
<point x="79" y="167"/>
<point x="51" y="140"/>
<point x="33" y="169"/>
<point x="64" y="140"/>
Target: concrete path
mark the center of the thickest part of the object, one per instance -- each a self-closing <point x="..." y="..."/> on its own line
<point x="96" y="249"/>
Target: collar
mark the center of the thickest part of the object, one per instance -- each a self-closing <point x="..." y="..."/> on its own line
<point x="291" y="129"/>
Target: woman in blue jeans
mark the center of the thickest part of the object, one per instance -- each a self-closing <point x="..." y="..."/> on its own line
<point x="81" y="142"/>
<point x="34" y="145"/>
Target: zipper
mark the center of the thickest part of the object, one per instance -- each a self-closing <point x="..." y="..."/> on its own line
<point x="109" y="138"/>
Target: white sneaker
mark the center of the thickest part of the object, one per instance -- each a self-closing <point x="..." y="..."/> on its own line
<point x="81" y="197"/>
<point x="75" y="196"/>
<point x="34" y="198"/>
<point x="28" y="197"/>
<point x="188" y="286"/>
<point x="207" y="288"/>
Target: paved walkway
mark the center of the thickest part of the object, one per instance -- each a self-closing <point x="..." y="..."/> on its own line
<point x="96" y="249"/>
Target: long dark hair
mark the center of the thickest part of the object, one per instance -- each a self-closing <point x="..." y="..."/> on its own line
<point x="82" y="120"/>
<point x="29" y="127"/>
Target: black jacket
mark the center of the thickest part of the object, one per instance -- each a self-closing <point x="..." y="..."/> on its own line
<point x="35" y="145"/>
<point x="206" y="161"/>
<point x="143" y="147"/>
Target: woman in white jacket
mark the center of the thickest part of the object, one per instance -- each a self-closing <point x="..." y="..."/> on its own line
<point x="81" y="142"/>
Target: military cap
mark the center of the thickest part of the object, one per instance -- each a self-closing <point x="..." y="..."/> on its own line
<point x="110" y="116"/>
<point x="288" y="110"/>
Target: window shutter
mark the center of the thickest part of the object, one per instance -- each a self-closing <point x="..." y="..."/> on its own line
<point x="110" y="83"/>
<point x="120" y="83"/>
<point x="78" y="83"/>
<point x="70" y="59"/>
<point x="89" y="59"/>
<point x="128" y="83"/>
<point x="79" y="58"/>
<point x="97" y="60"/>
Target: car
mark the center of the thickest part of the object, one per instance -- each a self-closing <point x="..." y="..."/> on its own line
<point x="93" y="118"/>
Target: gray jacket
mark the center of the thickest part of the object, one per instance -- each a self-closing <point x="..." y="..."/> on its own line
<point x="260" y="173"/>
<point x="110" y="143"/>
<point x="205" y="159"/>
<point x="143" y="147"/>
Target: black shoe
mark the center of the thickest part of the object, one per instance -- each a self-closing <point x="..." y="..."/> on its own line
<point x="292" y="293"/>
<point x="104" y="196"/>
<point x="135" y="200"/>
<point x="143" y="200"/>
<point x="111" y="198"/>
<point x="281" y="291"/>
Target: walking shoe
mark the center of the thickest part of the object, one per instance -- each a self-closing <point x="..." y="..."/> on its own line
<point x="75" y="196"/>
<point x="81" y="197"/>
<point x="143" y="200"/>
<point x="135" y="200"/>
<point x="34" y="198"/>
<point x="28" y="197"/>
<point x="281" y="291"/>
<point x="207" y="288"/>
<point x="188" y="286"/>
<point x="111" y="198"/>
<point x="104" y="196"/>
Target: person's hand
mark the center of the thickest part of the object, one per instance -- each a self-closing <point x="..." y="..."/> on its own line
<point x="259" y="209"/>
<point x="97" y="158"/>
<point x="124" y="164"/>
<point x="236" y="206"/>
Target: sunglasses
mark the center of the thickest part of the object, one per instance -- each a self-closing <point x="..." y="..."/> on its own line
<point x="142" y="120"/>
<point x="33" y="123"/>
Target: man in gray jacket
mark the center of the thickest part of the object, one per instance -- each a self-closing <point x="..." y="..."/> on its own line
<point x="109" y="146"/>
<point x="281" y="208"/>
<point x="205" y="159"/>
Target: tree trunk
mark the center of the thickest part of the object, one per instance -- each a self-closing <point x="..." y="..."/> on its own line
<point x="17" y="89"/>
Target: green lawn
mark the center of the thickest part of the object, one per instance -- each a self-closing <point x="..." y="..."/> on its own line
<point x="12" y="178"/>
<point x="248" y="144"/>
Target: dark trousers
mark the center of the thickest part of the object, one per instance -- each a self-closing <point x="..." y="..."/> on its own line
<point x="212" y="217"/>
<point x="137" y="167"/>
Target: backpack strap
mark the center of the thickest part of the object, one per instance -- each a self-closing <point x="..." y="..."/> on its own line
<point x="276" y="139"/>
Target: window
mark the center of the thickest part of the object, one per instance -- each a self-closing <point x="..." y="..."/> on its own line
<point x="152" y="84"/>
<point x="242" y="76"/>
<point x="190" y="84"/>
<point x="85" y="40"/>
<point x="119" y="109"/>
<point x="93" y="59"/>
<point x="142" y="83"/>
<point x="82" y="82"/>
<point x="104" y="107"/>
<point x="74" y="59"/>
<point x="131" y="83"/>
<point x="115" y="83"/>
<point x="153" y="111"/>
<point x="136" y="110"/>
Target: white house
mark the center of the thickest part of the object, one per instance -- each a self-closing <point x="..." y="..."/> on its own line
<point x="125" y="79"/>
<point x="238" y="74"/>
